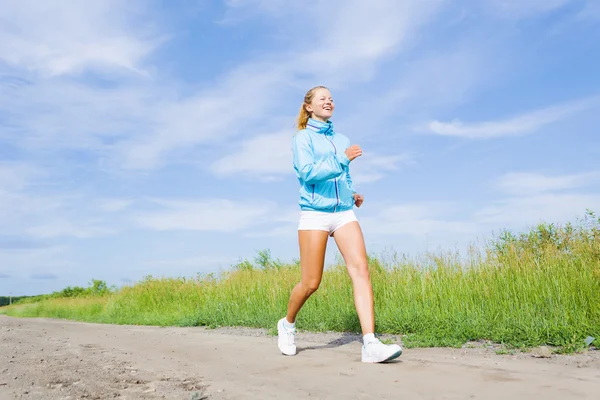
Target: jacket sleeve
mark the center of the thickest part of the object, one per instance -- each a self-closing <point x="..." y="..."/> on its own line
<point x="349" y="179"/>
<point x="311" y="171"/>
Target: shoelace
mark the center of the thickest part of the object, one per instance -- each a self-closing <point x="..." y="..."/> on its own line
<point x="290" y="337"/>
<point x="374" y="342"/>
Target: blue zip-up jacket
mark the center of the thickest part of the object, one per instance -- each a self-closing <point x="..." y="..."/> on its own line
<point x="322" y="168"/>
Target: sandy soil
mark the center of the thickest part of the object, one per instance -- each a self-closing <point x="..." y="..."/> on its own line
<point x="53" y="359"/>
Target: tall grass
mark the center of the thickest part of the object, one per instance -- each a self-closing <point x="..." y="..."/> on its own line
<point x="539" y="287"/>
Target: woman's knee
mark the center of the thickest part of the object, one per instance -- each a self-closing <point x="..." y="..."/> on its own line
<point x="359" y="270"/>
<point x="311" y="285"/>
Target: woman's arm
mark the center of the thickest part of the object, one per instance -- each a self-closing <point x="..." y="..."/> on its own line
<point x="313" y="172"/>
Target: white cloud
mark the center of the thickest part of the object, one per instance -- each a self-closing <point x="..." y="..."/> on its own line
<point x="16" y="176"/>
<point x="266" y="156"/>
<point x="114" y="205"/>
<point x="521" y="183"/>
<point x="524" y="212"/>
<point x="17" y="201"/>
<point x="63" y="227"/>
<point x="57" y="37"/>
<point x="47" y="259"/>
<point x="372" y="167"/>
<point x="35" y="204"/>
<point x="216" y="215"/>
<point x="445" y="76"/>
<point x="283" y="221"/>
<point x="58" y="115"/>
<point x="416" y="219"/>
<point x="51" y="216"/>
<point x="352" y="44"/>
<point x="519" y="125"/>
<point x="536" y="197"/>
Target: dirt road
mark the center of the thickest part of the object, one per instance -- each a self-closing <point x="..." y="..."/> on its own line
<point x="51" y="359"/>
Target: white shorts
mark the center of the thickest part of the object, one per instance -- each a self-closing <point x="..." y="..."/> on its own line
<point x="325" y="221"/>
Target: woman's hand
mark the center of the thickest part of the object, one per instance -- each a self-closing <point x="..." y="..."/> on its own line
<point x="353" y="151"/>
<point x="358" y="199"/>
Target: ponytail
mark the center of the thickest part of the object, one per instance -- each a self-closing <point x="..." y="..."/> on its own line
<point x="303" y="117"/>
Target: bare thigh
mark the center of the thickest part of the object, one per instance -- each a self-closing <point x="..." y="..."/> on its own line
<point x="350" y="241"/>
<point x="312" y="256"/>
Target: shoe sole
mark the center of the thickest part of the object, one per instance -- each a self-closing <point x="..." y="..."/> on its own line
<point x="390" y="358"/>
<point x="287" y="354"/>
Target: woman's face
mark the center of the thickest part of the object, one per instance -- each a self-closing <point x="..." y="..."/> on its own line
<point x="321" y="107"/>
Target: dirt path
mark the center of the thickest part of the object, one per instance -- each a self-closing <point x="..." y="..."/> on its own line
<point x="51" y="359"/>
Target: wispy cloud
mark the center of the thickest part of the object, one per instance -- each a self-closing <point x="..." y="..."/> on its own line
<point x="62" y="227"/>
<point x="374" y="167"/>
<point x="37" y="260"/>
<point x="535" y="197"/>
<point x="522" y="183"/>
<point x="114" y="205"/>
<point x="352" y="45"/>
<point x="16" y="176"/>
<point x="416" y="219"/>
<point x="514" y="126"/>
<point x="61" y="37"/>
<point x="216" y="215"/>
<point x="35" y="204"/>
<point x="18" y="180"/>
<point x="523" y="212"/>
<point x="267" y="157"/>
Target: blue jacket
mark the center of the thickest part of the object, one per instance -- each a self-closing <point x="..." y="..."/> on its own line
<point x="322" y="168"/>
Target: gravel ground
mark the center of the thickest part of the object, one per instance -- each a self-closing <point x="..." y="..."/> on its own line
<point x="56" y="359"/>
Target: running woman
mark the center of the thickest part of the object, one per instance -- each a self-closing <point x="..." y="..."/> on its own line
<point x="327" y="197"/>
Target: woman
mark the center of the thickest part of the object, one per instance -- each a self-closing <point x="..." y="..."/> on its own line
<point x="327" y="196"/>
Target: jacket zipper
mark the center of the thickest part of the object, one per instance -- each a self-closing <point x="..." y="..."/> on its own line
<point x="337" y="196"/>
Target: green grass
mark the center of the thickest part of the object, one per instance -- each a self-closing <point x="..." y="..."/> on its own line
<point x="522" y="290"/>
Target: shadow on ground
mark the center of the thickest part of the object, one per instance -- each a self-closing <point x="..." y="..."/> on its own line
<point x="346" y="338"/>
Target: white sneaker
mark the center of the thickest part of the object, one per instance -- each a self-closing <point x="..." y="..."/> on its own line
<point x="286" y="339"/>
<point x="376" y="352"/>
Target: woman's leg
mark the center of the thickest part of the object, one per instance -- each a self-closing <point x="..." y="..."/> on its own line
<point x="312" y="244"/>
<point x="350" y="242"/>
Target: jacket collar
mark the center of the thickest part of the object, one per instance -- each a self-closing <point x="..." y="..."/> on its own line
<point x="320" y="127"/>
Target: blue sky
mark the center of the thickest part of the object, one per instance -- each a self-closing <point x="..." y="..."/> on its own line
<point x="148" y="137"/>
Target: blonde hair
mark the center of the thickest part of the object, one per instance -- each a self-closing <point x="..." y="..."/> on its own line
<point x="304" y="115"/>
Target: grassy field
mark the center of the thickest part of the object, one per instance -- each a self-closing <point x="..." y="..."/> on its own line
<point x="536" y="288"/>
